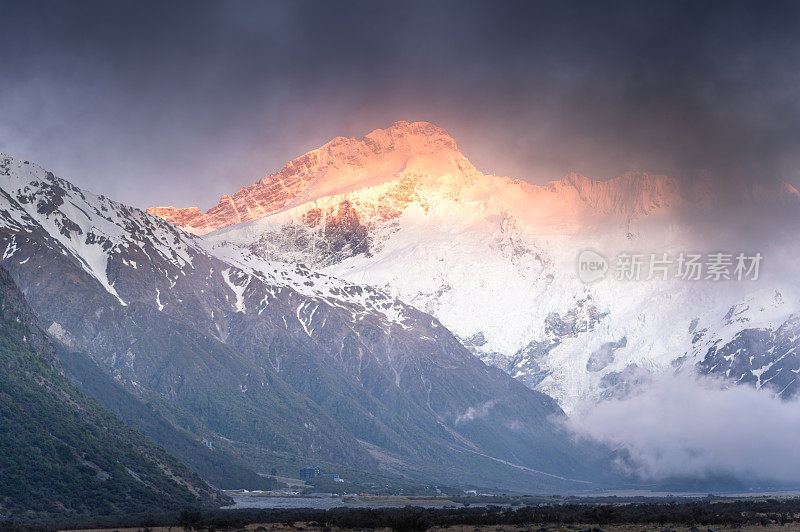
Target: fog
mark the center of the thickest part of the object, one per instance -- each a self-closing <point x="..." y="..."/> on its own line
<point x="683" y="425"/>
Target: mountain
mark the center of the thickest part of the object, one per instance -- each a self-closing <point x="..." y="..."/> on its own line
<point x="85" y="253"/>
<point x="272" y="363"/>
<point x="494" y="259"/>
<point x="214" y="465"/>
<point x="319" y="173"/>
<point x="62" y="453"/>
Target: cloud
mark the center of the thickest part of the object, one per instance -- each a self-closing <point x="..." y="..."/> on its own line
<point x="219" y="94"/>
<point x="692" y="427"/>
<point x="475" y="412"/>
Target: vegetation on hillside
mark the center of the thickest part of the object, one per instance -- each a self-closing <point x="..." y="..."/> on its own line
<point x="60" y="452"/>
<point x="212" y="463"/>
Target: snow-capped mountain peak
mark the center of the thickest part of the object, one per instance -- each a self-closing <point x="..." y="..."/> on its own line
<point x="340" y="166"/>
<point x="494" y="259"/>
<point x="264" y="352"/>
<point x="111" y="242"/>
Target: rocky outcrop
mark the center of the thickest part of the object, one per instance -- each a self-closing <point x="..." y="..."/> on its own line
<point x="190" y="219"/>
<point x="760" y="357"/>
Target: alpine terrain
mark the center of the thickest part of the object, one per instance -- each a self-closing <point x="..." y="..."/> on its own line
<point x="494" y="260"/>
<point x="269" y="364"/>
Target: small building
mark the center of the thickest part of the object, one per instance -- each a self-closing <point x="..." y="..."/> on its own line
<point x="309" y="472"/>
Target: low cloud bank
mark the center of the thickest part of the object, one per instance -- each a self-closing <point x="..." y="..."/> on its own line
<point x="692" y="427"/>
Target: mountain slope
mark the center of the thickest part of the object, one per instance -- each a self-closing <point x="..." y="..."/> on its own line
<point x="85" y="253"/>
<point x="495" y="259"/>
<point x="213" y="464"/>
<point x="61" y="451"/>
<point x="273" y="362"/>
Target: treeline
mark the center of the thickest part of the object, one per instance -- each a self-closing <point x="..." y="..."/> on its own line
<point x="731" y="513"/>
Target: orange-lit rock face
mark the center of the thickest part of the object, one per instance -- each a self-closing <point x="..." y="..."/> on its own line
<point x="188" y="218"/>
<point x="264" y="197"/>
<point x="337" y="165"/>
<point x="382" y="173"/>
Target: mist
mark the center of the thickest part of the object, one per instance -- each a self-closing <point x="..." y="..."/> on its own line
<point x="687" y="426"/>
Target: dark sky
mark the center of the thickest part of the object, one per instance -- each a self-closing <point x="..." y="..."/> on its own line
<point x="180" y="102"/>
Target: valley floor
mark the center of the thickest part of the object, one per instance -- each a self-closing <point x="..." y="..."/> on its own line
<point x="588" y="527"/>
<point x="721" y="515"/>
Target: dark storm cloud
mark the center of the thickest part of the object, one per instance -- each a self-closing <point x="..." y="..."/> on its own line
<point x="180" y="102"/>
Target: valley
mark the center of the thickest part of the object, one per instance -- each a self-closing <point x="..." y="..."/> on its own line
<point x="399" y="265"/>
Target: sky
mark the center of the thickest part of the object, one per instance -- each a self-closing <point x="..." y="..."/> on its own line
<point x="176" y="103"/>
